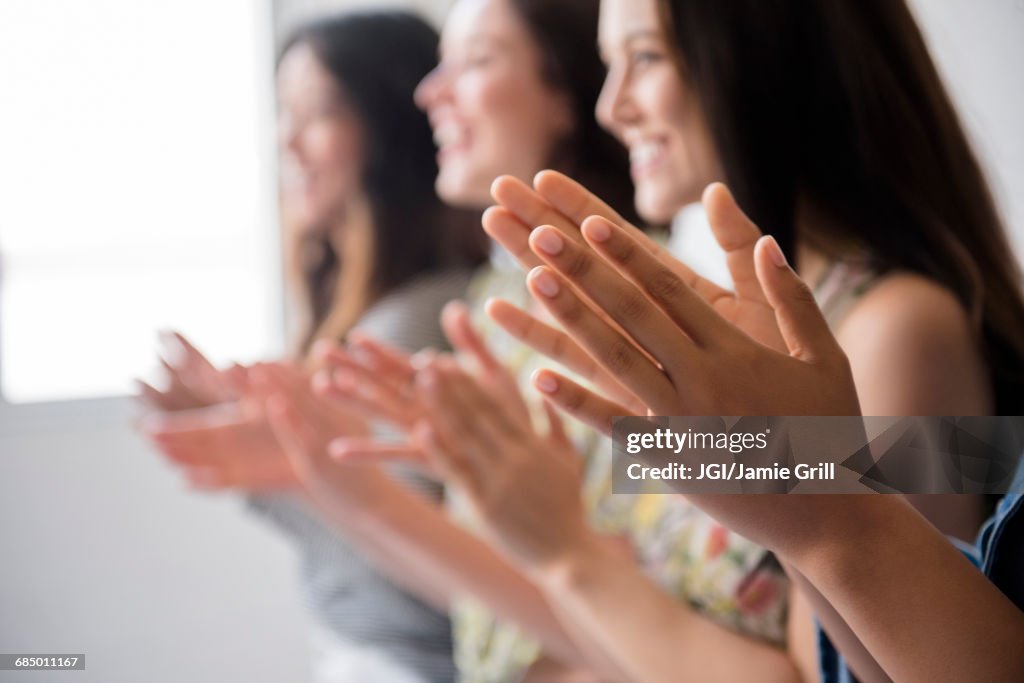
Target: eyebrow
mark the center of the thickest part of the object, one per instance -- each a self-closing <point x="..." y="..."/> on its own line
<point x="631" y="37"/>
<point x="641" y="33"/>
<point x="477" y="38"/>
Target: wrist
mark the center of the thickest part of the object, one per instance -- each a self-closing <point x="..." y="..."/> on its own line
<point x="578" y="564"/>
<point x="852" y="534"/>
<point x="356" y="490"/>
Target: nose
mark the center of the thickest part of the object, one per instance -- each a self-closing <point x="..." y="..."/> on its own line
<point x="289" y="134"/>
<point x="431" y="88"/>
<point x="615" y="107"/>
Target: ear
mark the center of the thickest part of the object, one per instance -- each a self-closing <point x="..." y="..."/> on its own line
<point x="563" y="116"/>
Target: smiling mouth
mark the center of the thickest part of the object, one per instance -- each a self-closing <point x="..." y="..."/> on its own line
<point x="450" y="138"/>
<point x="645" y="157"/>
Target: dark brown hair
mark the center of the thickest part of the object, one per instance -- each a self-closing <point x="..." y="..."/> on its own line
<point x="377" y="59"/>
<point x="835" y="108"/>
<point x="565" y="33"/>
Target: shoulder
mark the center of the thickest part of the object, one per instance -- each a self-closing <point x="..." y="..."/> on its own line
<point x="913" y="337"/>
<point x="907" y="309"/>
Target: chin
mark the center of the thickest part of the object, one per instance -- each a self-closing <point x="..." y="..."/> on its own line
<point x="660" y="203"/>
<point x="462" y="193"/>
<point x="656" y="212"/>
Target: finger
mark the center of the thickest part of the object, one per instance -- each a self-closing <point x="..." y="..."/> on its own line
<point x="190" y="351"/>
<point x="683" y="306"/>
<point x="151" y="396"/>
<point x="184" y="454"/>
<point x="556" y="425"/>
<point x="371" y="451"/>
<point x="371" y="400"/>
<point x="571" y="199"/>
<point x="737" y="235"/>
<point x="455" y="450"/>
<point x="505" y="228"/>
<point x="558" y="438"/>
<point x="578" y="203"/>
<point x="237" y="378"/>
<point x="608" y="347"/>
<point x="801" y="323"/>
<point x="339" y="388"/>
<point x="481" y="420"/>
<point x="530" y="208"/>
<point x="322" y="352"/>
<point x="559" y="347"/>
<point x="584" y="405"/>
<point x="464" y="338"/>
<point x="446" y="458"/>
<point x="620" y="299"/>
<point x="363" y="365"/>
<point x="381" y="357"/>
<point x="175" y="381"/>
<point x="207" y="479"/>
<point x="288" y="427"/>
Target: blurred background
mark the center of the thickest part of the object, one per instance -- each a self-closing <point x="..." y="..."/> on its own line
<point x="138" y="193"/>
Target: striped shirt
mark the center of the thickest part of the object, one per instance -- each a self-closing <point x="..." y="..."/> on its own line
<point x="351" y="601"/>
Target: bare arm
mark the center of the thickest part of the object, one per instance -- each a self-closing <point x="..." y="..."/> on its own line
<point x="653" y="637"/>
<point x="410" y="539"/>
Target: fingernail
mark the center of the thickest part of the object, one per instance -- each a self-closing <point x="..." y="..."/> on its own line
<point x="597" y="231"/>
<point x="337" y="449"/>
<point x="775" y="252"/>
<point x="422" y="358"/>
<point x="545" y="382"/>
<point x="548" y="240"/>
<point x="321" y="348"/>
<point x="427" y="377"/>
<point x="545" y="282"/>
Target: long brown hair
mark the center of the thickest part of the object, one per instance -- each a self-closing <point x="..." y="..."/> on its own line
<point x="401" y="229"/>
<point x="565" y="33"/>
<point x="836" y="108"/>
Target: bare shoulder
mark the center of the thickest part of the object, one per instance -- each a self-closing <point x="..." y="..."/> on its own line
<point x="912" y="345"/>
<point x="905" y="307"/>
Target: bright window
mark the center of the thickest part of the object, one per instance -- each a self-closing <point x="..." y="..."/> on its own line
<point x="136" y="176"/>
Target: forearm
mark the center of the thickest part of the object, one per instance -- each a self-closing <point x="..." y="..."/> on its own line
<point x="415" y="544"/>
<point x="918" y="606"/>
<point x="815" y="609"/>
<point x="648" y="635"/>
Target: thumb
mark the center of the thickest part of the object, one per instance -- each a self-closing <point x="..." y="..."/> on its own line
<point x="458" y="328"/>
<point x="737" y="235"/>
<point x="556" y="425"/>
<point x="801" y="322"/>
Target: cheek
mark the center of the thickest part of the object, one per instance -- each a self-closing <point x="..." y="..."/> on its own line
<point x="513" y="116"/>
<point x="674" y="114"/>
<point x="336" y="154"/>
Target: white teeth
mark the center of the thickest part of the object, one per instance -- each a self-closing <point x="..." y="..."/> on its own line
<point x="448" y="134"/>
<point x="644" y="152"/>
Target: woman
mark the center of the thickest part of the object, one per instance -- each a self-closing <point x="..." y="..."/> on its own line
<point x="846" y="148"/>
<point x="370" y="250"/>
<point x="889" y="617"/>
<point x="472" y="102"/>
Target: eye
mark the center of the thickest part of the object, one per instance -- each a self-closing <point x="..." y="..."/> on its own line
<point x="644" y="57"/>
<point x="478" y="60"/>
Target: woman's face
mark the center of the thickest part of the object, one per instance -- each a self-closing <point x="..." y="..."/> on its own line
<point x="322" y="156"/>
<point x="646" y="104"/>
<point x="491" y="111"/>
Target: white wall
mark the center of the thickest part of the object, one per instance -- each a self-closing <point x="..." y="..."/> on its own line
<point x="102" y="552"/>
<point x="979" y="45"/>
